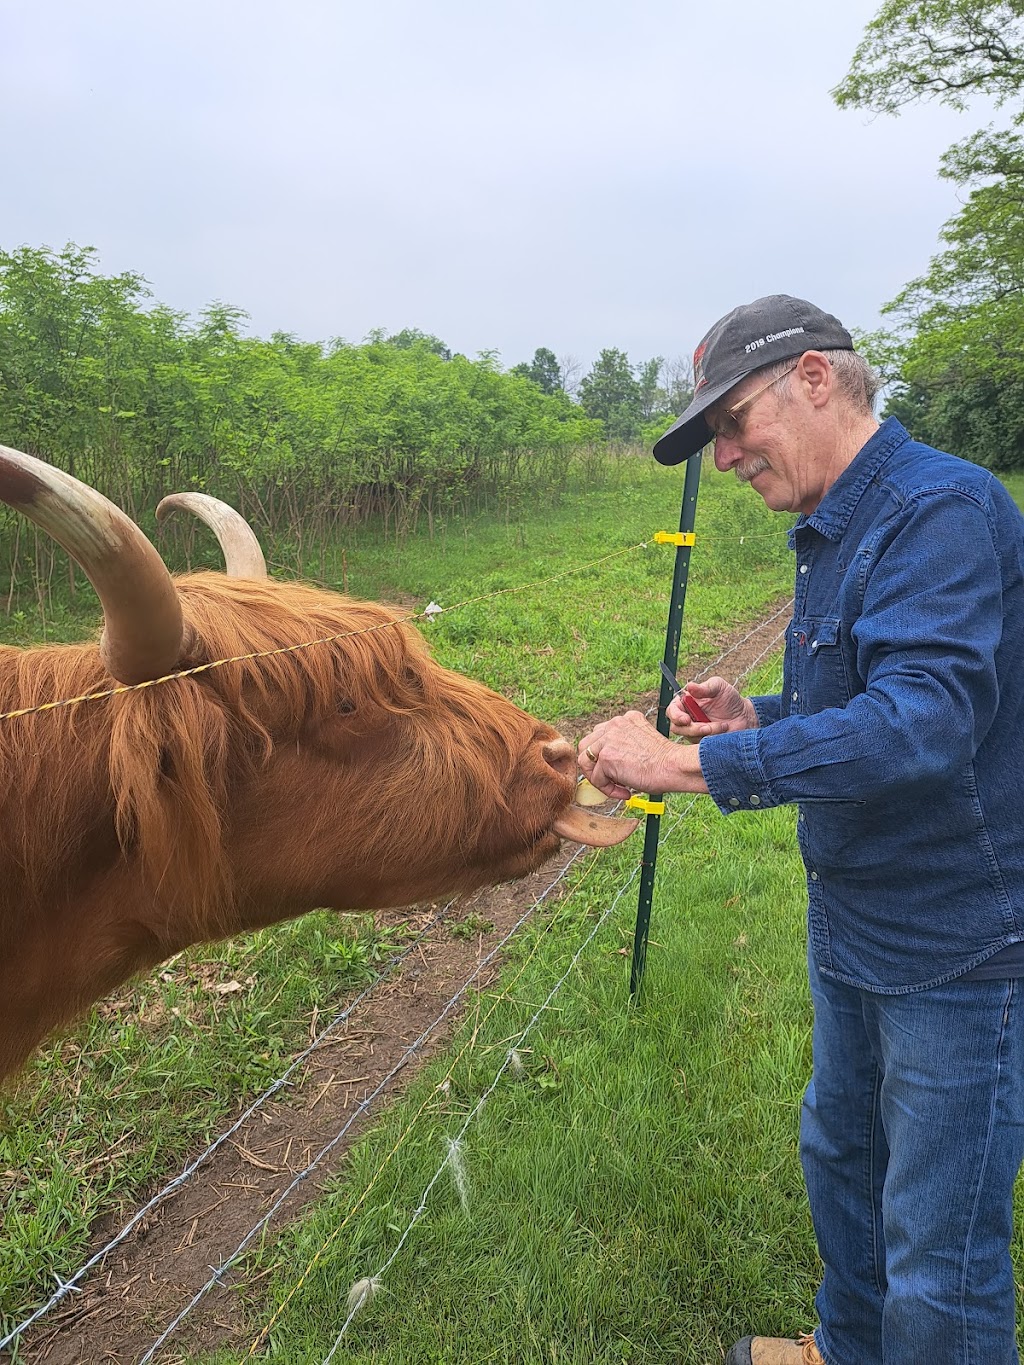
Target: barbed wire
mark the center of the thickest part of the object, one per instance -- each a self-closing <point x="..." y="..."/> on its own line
<point x="71" y="1284"/>
<point x="361" y="1108"/>
<point x="407" y="1131"/>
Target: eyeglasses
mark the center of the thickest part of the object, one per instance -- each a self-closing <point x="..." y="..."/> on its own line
<point x="726" y="423"/>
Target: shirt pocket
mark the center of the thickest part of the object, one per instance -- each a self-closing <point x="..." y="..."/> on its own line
<point x="824" y="679"/>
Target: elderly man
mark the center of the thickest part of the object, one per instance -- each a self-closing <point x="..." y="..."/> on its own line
<point x="899" y="734"/>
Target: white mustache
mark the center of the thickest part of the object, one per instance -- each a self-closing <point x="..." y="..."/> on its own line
<point x="751" y="471"/>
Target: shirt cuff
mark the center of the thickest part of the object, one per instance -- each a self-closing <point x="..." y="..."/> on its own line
<point x="767" y="709"/>
<point x="732" y="769"/>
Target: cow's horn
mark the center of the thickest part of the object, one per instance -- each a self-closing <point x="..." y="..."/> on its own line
<point x="243" y="557"/>
<point x="600" y="831"/>
<point x="143" y="633"/>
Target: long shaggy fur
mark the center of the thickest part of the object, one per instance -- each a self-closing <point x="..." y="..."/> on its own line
<point x="149" y="775"/>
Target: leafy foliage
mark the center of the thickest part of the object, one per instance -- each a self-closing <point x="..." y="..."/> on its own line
<point x="139" y="400"/>
<point x="957" y="353"/>
<point x="636" y="401"/>
<point x="940" y="49"/>
<point x="544" y="371"/>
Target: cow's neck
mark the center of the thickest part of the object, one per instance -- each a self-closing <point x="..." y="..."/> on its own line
<point x="62" y="958"/>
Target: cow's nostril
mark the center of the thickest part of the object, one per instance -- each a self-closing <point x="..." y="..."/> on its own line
<point x="558" y="754"/>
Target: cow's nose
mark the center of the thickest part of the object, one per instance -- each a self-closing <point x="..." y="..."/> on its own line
<point x="559" y="754"/>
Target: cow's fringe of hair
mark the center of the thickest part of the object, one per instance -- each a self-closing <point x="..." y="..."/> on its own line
<point x="150" y="774"/>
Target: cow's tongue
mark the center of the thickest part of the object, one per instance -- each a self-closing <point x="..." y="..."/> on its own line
<point x="600" y="831"/>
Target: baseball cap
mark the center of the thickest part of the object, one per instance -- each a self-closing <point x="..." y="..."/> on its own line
<point x="750" y="337"/>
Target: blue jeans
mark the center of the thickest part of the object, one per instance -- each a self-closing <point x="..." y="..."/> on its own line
<point x="911" y="1135"/>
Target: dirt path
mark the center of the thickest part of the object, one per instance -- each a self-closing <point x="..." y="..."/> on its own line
<point x="128" y="1301"/>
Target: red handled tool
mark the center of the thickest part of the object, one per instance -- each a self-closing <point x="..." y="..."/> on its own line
<point x="696" y="712"/>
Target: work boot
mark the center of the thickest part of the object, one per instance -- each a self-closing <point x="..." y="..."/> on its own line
<point x="775" y="1351"/>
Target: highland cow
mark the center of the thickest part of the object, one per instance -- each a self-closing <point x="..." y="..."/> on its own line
<point x="353" y="774"/>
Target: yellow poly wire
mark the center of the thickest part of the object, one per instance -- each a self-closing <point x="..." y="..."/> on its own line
<point x="307" y="644"/>
<point x="314" y="1260"/>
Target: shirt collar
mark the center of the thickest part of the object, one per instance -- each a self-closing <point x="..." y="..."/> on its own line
<point x="832" y="515"/>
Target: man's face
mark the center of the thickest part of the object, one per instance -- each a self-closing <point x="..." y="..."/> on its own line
<point x="767" y="441"/>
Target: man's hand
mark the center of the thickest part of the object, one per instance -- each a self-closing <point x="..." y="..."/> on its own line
<point x="720" y="702"/>
<point x="627" y="754"/>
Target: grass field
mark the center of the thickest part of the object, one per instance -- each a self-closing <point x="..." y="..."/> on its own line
<point x="631" y="1190"/>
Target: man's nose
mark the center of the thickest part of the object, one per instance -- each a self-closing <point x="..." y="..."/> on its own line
<point x="726" y="453"/>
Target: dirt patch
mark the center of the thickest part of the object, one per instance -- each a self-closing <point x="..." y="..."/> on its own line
<point x="130" y="1299"/>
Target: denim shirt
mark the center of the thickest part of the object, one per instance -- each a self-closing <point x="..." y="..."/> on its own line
<point x="899" y="730"/>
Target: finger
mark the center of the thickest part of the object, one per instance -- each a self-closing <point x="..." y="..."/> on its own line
<point x="708" y="688"/>
<point x="608" y="788"/>
<point x="615" y="790"/>
<point x="679" y="718"/>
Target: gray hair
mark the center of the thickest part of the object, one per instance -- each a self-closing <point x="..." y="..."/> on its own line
<point x="855" y="379"/>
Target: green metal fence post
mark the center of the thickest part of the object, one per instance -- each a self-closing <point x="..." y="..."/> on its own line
<point x="687" y="517"/>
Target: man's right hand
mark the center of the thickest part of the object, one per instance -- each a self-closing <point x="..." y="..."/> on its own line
<point x="719" y="701"/>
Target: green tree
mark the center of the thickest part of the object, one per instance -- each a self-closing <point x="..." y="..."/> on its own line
<point x="678" y="382"/>
<point x="408" y="338"/>
<point x="543" y="370"/>
<point x="611" y="393"/>
<point x="940" y="49"/>
<point x="958" y="344"/>
<point x="651" y="394"/>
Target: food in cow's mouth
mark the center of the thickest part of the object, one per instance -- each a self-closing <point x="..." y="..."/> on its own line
<point x="588" y="795"/>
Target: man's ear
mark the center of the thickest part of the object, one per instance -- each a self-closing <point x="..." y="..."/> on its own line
<point x="815" y="373"/>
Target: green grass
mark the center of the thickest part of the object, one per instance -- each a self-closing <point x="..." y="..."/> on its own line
<point x="596" y="635"/>
<point x="636" y="1194"/>
<point x="1015" y="485"/>
<point x="149" y="1075"/>
<point x="116" y="1105"/>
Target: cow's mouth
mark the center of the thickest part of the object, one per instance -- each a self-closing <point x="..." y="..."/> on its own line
<point x="583" y="825"/>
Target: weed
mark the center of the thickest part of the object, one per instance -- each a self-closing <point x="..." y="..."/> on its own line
<point x="470" y="926"/>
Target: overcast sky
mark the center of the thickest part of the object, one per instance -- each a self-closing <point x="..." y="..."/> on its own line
<point x="565" y="173"/>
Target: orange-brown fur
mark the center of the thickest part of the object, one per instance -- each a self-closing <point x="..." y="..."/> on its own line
<point x="353" y="774"/>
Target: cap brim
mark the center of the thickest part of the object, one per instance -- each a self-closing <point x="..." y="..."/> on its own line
<point x="690" y="434"/>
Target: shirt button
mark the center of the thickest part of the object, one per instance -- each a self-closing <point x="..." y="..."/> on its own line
<point x="796" y="696"/>
<point x="803" y="568"/>
<point x="755" y="800"/>
<point x="734" y="800"/>
<point x="814" y="876"/>
<point x="800" y="816"/>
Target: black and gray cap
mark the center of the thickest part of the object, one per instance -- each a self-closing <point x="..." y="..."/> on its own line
<point x="750" y="337"/>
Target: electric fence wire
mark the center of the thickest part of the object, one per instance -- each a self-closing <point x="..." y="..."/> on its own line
<point x="70" y="1285"/>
